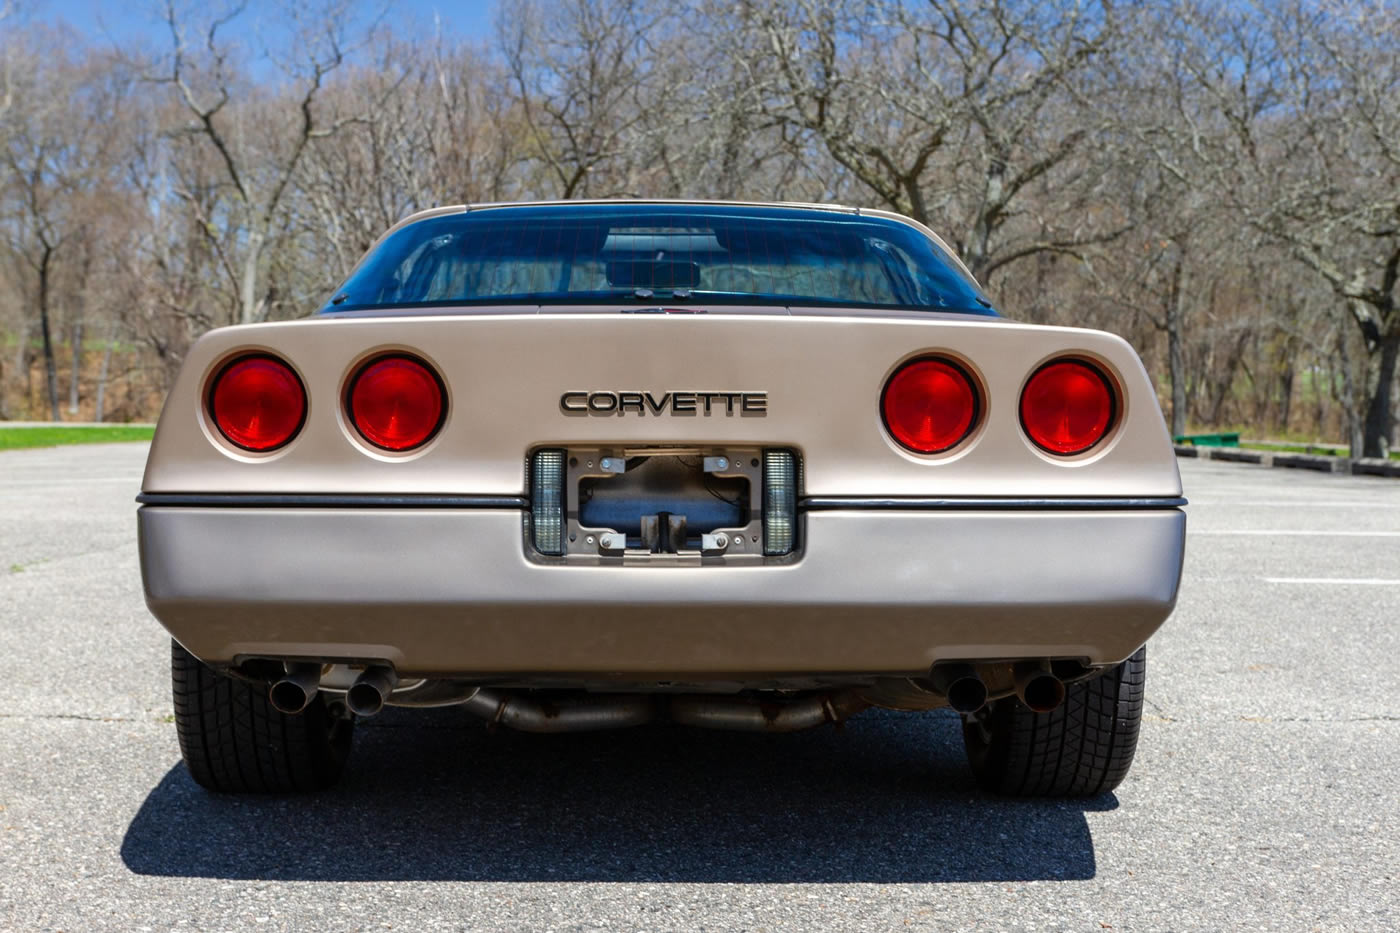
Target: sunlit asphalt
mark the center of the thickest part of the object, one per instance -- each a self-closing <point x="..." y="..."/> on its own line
<point x="1266" y="794"/>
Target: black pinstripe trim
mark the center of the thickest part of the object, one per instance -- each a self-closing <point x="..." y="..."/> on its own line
<point x="828" y="503"/>
<point x="328" y="501"/>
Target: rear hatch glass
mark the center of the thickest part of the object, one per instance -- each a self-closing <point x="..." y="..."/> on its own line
<point x="586" y="254"/>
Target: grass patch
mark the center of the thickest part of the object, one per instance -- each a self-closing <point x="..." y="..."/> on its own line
<point x="1325" y="450"/>
<point x="54" y="435"/>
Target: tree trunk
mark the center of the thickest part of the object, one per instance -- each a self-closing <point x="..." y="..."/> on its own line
<point x="1285" y="390"/>
<point x="50" y="368"/>
<point x="75" y="333"/>
<point x="1176" y="363"/>
<point x="76" y="341"/>
<point x="248" y="290"/>
<point x="1355" y="432"/>
<point x="102" y="377"/>
<point x="1227" y="379"/>
<point x="979" y="244"/>
<point x="1379" y="416"/>
<point x="21" y="359"/>
<point x="1321" y="408"/>
<point x="22" y="363"/>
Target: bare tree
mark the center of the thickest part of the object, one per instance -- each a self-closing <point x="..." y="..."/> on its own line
<point x="1297" y="127"/>
<point x="1338" y="206"/>
<point x="948" y="111"/>
<point x="439" y="135"/>
<point x="583" y="76"/>
<point x="53" y="148"/>
<point x="1216" y="182"/>
<point x="258" y="167"/>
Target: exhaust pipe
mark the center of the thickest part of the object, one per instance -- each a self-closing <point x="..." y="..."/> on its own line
<point x="747" y="716"/>
<point x="296" y="688"/>
<point x="961" y="684"/>
<point x="572" y="714"/>
<point x="1039" y="689"/>
<point x="619" y="711"/>
<point x="367" y="694"/>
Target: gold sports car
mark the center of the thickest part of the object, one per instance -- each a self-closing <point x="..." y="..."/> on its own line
<point x="588" y="465"/>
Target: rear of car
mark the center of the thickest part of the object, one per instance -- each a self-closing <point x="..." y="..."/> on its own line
<point x="588" y="465"/>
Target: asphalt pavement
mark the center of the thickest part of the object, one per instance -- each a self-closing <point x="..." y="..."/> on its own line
<point x="1266" y="793"/>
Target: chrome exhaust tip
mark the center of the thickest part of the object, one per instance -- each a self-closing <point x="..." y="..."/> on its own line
<point x="367" y="694"/>
<point x="295" y="690"/>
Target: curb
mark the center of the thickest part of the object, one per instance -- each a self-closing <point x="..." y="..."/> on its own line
<point x="1368" y="466"/>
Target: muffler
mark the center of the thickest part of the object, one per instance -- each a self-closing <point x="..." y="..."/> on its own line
<point x="746" y="715"/>
<point x="296" y="688"/>
<point x="961" y="684"/>
<point x="592" y="712"/>
<point x="367" y="694"/>
<point x="1039" y="689"/>
<point x="567" y="714"/>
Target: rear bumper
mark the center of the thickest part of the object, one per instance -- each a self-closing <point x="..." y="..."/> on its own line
<point x="451" y="592"/>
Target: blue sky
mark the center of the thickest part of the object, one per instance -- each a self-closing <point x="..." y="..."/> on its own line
<point x="140" y="19"/>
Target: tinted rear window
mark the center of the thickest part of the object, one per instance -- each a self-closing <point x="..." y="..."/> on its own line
<point x="698" y="254"/>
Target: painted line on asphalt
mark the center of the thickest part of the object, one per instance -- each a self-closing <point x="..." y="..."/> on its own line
<point x="72" y="481"/>
<point x="1296" y="533"/>
<point x="1333" y="581"/>
<point x="1299" y="503"/>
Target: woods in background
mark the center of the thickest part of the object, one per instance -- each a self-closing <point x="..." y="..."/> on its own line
<point x="1218" y="183"/>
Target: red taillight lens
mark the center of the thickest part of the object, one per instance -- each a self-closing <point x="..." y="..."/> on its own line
<point x="929" y="405"/>
<point x="397" y="403"/>
<point x="258" y="403"/>
<point x="1067" y="407"/>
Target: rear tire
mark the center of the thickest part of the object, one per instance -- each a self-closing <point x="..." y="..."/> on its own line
<point x="1082" y="748"/>
<point x="234" y="741"/>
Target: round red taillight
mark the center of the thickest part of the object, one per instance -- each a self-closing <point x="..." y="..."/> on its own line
<point x="1067" y="407"/>
<point x="257" y="403"/>
<point x="929" y="405"/>
<point x="396" y="403"/>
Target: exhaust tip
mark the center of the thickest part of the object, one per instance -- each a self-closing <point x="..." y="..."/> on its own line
<point x="289" y="697"/>
<point x="967" y="694"/>
<point x="961" y="685"/>
<point x="364" y="700"/>
<point x="367" y="694"/>
<point x="1040" y="690"/>
<point x="296" y="689"/>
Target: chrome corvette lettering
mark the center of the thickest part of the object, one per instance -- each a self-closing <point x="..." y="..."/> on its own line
<point x="667" y="403"/>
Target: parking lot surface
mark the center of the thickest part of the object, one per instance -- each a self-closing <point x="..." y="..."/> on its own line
<point x="1266" y="794"/>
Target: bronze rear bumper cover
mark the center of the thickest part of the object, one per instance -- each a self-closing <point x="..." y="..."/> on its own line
<point x="440" y="591"/>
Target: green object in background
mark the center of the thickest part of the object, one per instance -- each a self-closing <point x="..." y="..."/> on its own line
<point x="12" y="438"/>
<point x="1209" y="440"/>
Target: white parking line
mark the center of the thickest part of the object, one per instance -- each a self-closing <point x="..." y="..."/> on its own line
<point x="72" y="481"/>
<point x="1297" y="532"/>
<point x="1300" y="504"/>
<point x="1334" y="581"/>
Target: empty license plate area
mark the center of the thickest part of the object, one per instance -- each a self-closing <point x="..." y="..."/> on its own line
<point x="713" y="504"/>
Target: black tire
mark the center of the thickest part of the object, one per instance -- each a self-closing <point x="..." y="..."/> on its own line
<point x="1082" y="748"/>
<point x="234" y="741"/>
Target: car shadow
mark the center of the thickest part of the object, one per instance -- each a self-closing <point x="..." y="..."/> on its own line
<point x="434" y="795"/>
